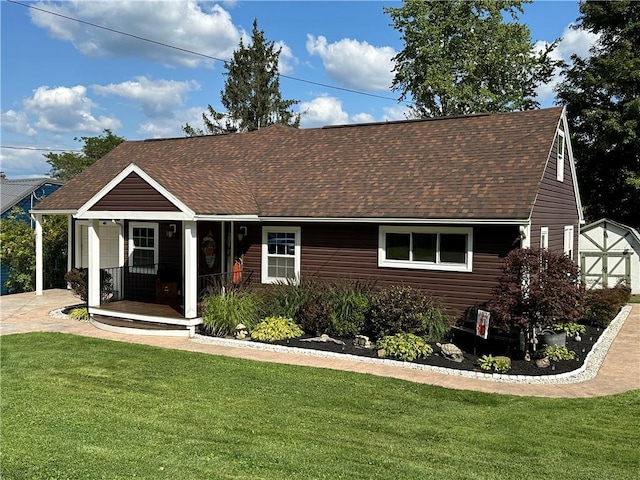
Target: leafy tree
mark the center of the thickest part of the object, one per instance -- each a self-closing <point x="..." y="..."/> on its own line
<point x="602" y="97"/>
<point x="460" y="57"/>
<point x="17" y="251"/>
<point x="66" y="165"/>
<point x="536" y="287"/>
<point x="251" y="92"/>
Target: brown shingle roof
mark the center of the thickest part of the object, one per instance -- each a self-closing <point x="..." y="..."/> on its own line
<point x="475" y="167"/>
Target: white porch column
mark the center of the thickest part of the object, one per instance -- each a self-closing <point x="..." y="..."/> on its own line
<point x="69" y="242"/>
<point x="190" y="235"/>
<point x="93" y="277"/>
<point x="39" y="254"/>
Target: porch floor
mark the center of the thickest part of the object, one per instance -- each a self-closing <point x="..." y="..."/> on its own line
<point x="142" y="308"/>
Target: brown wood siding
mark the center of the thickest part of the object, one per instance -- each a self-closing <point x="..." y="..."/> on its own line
<point x="351" y="251"/>
<point x="555" y="206"/>
<point x="134" y="194"/>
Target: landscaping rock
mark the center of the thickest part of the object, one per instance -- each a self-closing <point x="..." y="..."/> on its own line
<point x="323" y="338"/>
<point x="451" y="352"/>
<point x="362" y="341"/>
<point x="543" y="362"/>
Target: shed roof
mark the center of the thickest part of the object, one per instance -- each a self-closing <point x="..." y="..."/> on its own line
<point x="12" y="191"/>
<point x="468" y="167"/>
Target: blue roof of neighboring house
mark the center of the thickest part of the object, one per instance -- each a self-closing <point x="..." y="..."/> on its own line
<point x="15" y="191"/>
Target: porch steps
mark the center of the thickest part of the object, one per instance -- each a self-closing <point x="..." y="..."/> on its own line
<point x="138" y="327"/>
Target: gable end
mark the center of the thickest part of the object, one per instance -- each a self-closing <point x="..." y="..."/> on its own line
<point x="133" y="193"/>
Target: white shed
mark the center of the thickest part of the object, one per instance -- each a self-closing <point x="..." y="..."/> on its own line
<point x="610" y="254"/>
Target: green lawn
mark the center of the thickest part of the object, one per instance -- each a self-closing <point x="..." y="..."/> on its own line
<point x="81" y="408"/>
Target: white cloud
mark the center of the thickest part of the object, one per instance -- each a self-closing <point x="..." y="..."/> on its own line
<point x="355" y="64"/>
<point x="363" y="118"/>
<point x="16" y="122"/>
<point x="321" y="111"/>
<point x="286" y="60"/>
<point x="399" y="112"/>
<point x="201" y="27"/>
<point x="19" y="163"/>
<point x="574" y="42"/>
<point x="157" y="98"/>
<point x="64" y="109"/>
<point x="172" y="127"/>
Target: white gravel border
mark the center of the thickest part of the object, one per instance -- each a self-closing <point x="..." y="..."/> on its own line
<point x="587" y="371"/>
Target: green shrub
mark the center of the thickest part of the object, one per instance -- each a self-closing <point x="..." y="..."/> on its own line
<point x="283" y="298"/>
<point x="314" y="315"/>
<point x="222" y="312"/>
<point x="350" y="303"/>
<point x="79" y="313"/>
<point x="272" y="329"/>
<point x="405" y="346"/>
<point x="602" y="305"/>
<point x="571" y="329"/>
<point x="486" y="362"/>
<point x="498" y="364"/>
<point x="556" y="353"/>
<point x="407" y="310"/>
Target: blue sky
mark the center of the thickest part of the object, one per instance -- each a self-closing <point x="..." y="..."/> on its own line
<point x="62" y="80"/>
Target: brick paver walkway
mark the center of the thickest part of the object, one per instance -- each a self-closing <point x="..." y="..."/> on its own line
<point x="620" y="372"/>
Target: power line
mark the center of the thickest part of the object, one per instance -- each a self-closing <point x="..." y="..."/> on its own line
<point x="39" y="149"/>
<point x="192" y="52"/>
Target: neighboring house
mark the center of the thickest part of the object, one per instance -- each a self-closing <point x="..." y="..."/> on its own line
<point x="435" y="203"/>
<point x="609" y="255"/>
<point x="23" y="193"/>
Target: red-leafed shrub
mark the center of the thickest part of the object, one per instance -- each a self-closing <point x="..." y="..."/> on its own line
<point x="602" y="305"/>
<point x="537" y="287"/>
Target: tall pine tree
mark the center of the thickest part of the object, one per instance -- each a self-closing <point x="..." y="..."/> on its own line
<point x="602" y="97"/>
<point x="251" y="93"/>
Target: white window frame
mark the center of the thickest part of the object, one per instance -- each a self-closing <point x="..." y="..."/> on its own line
<point x="265" y="278"/>
<point x="383" y="261"/>
<point x="560" y="148"/>
<point x="544" y="238"/>
<point x="132" y="247"/>
<point x="568" y="241"/>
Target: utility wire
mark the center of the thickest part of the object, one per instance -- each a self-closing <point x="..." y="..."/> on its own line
<point x="39" y="149"/>
<point x="192" y="52"/>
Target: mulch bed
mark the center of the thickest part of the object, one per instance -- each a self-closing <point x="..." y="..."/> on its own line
<point x="465" y="341"/>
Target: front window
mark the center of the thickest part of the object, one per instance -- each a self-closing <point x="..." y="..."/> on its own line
<point x="429" y="248"/>
<point x="143" y="247"/>
<point x="280" y="254"/>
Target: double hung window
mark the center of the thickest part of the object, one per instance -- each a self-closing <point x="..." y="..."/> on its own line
<point x="280" y="254"/>
<point x="143" y="247"/>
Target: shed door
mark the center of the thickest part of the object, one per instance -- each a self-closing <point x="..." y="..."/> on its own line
<point x="600" y="269"/>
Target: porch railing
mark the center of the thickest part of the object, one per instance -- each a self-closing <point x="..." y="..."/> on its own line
<point x="221" y="282"/>
<point x="143" y="283"/>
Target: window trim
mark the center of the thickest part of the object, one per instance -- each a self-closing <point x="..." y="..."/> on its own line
<point x="560" y="153"/>
<point x="156" y="245"/>
<point x="569" y="241"/>
<point x="544" y="238"/>
<point x="421" y="265"/>
<point x="265" y="278"/>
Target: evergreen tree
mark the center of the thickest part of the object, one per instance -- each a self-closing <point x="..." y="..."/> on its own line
<point x="460" y="57"/>
<point x="602" y="97"/>
<point x="251" y="93"/>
